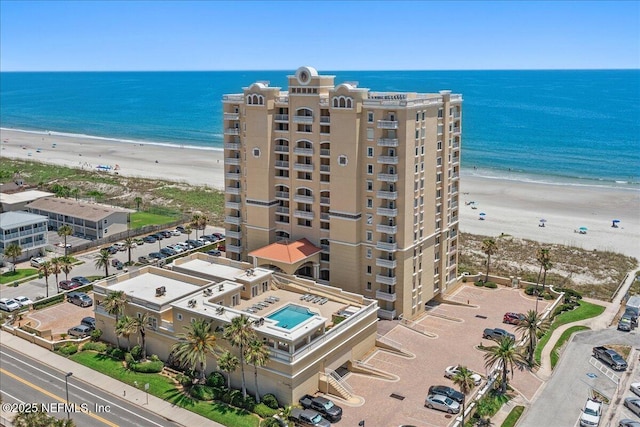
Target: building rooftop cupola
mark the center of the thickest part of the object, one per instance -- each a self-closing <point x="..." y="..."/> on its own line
<point x="304" y="74"/>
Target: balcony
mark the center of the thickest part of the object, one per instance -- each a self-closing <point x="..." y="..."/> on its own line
<point x="232" y="131"/>
<point x="233" y="190"/>
<point x="235" y="161"/>
<point x="325" y="168"/>
<point x="387" y="124"/>
<point x="325" y="119"/>
<point x="282" y="100"/>
<point x="386" y="280"/>
<point x="387" y="246"/>
<point x="303" y="214"/>
<point x="303" y="151"/>
<point x="324" y="216"/>
<point x="281" y="164"/>
<point x="457" y="130"/>
<point x="389" y="229"/>
<point x="232" y="175"/>
<point x="282" y="210"/>
<point x="386" y="314"/>
<point x="281" y="130"/>
<point x="388" y="142"/>
<point x="387" y="177"/>
<point x="385" y="296"/>
<point x="231" y="116"/>
<point x="282" y="195"/>
<point x="307" y="120"/>
<point x="281" y="148"/>
<point x="383" y="262"/>
<point x="301" y="198"/>
<point x="325" y="152"/>
<point x="455" y="176"/>
<point x="387" y="195"/>
<point x="325" y="201"/>
<point x="281" y="117"/>
<point x="455" y="160"/>
<point x="325" y="248"/>
<point x="234" y="248"/>
<point x="231" y="145"/>
<point x="387" y="212"/>
<point x="388" y="160"/>
<point x="232" y="205"/>
<point x="233" y="234"/>
<point x="303" y="167"/>
<point x="456" y="145"/>
<point x="233" y="98"/>
<point x="236" y="220"/>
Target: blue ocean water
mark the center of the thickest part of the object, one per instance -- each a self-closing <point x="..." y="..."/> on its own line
<point x="577" y="126"/>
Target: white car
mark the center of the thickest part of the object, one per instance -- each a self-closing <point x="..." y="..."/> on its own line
<point x="635" y="387"/>
<point x="176" y="232"/>
<point x="451" y="371"/>
<point x="591" y="413"/>
<point x="37" y="262"/>
<point x="177" y="248"/>
<point x="23" y="301"/>
<point x="8" y="305"/>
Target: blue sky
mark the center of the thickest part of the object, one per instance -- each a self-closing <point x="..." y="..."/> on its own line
<point x="329" y="35"/>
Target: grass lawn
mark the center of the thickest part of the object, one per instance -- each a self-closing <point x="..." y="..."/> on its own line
<point x="513" y="416"/>
<point x="141" y="219"/>
<point x="584" y="311"/>
<point x="563" y="338"/>
<point x="19" y="274"/>
<point x="164" y="388"/>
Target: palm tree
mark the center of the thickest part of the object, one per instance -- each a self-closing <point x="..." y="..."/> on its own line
<point x="56" y="269"/>
<point x="13" y="251"/>
<point x="544" y="258"/>
<point x="139" y="325"/>
<point x="195" y="345"/>
<point x="257" y="355"/>
<point x="228" y="363"/>
<point x="506" y="354"/>
<point x="75" y="193"/>
<point x="45" y="270"/>
<point x="102" y="260"/>
<point x="66" y="266"/>
<point x="195" y="223"/>
<point x="65" y="231"/>
<point x="114" y="304"/>
<point x="129" y="243"/>
<point x="533" y="325"/>
<point x="138" y="200"/>
<point x="240" y="333"/>
<point x="202" y="222"/>
<point x="124" y="328"/>
<point x="188" y="230"/>
<point x="464" y="379"/>
<point x="489" y="247"/>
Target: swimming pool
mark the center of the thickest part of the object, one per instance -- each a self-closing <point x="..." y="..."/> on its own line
<point x="291" y="316"/>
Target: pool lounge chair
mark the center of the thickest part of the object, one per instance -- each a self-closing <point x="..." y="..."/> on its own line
<point x="274" y="298"/>
<point x="268" y="301"/>
<point x="250" y="310"/>
<point x="323" y="301"/>
<point x="256" y="307"/>
<point x="316" y="299"/>
<point x="304" y="297"/>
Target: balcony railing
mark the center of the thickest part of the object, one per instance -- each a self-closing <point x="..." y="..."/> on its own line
<point x="386" y="314"/>
<point x="456" y="130"/>
<point x="232" y="205"/>
<point x="388" y="160"/>
<point x="388" y="142"/>
<point x="325" y="201"/>
<point x="304" y="167"/>
<point x="386" y="280"/>
<point x="385" y="296"/>
<point x="232" y="175"/>
<point x="303" y="151"/>
<point x="281" y="117"/>
<point x="282" y="195"/>
<point x="303" y="119"/>
<point x="231" y="116"/>
<point x="386" y="263"/>
<point x="303" y="214"/>
<point x="233" y="248"/>
<point x="325" y="152"/>
<point x="387" y="246"/>
<point x="236" y="220"/>
<point x="301" y="198"/>
<point x="233" y="98"/>
<point x="387" y="177"/>
<point x="233" y="190"/>
<point x="387" y="124"/>
<point x="233" y="234"/>
<point x="387" y="212"/>
<point x="233" y="161"/>
<point x="282" y="210"/>
<point x="324" y="216"/>
<point x="232" y="131"/>
<point x="281" y="164"/>
<point x="231" y="145"/>
<point x="388" y="195"/>
<point x="389" y="229"/>
<point x="325" y="168"/>
<point x="281" y="148"/>
<point x="325" y="119"/>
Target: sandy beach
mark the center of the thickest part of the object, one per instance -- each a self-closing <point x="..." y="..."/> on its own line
<point x="510" y="207"/>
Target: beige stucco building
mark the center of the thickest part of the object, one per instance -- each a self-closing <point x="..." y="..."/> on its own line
<point x="369" y="179"/>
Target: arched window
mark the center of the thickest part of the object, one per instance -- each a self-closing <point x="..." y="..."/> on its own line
<point x="349" y="103"/>
<point x="342" y="102"/>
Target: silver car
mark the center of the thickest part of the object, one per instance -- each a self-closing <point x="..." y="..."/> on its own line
<point x="442" y="403"/>
<point x="633" y="403"/>
<point x="628" y="423"/>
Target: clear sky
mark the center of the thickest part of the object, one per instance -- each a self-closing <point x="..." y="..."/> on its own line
<point x="329" y="35"/>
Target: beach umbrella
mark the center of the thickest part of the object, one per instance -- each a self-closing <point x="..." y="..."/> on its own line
<point x="616" y="220"/>
<point x="583" y="228"/>
<point x="543" y="220"/>
<point x="482" y="214"/>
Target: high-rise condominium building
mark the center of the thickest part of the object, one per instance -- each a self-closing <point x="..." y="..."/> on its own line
<point x="352" y="187"/>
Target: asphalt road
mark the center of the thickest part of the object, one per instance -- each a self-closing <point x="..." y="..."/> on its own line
<point x="24" y="381"/>
<point x="564" y="396"/>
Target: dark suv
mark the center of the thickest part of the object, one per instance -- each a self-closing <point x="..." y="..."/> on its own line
<point x="447" y="391"/>
<point x="497" y="334"/>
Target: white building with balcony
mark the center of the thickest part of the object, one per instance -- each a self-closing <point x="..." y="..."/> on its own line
<point x="27" y="230"/>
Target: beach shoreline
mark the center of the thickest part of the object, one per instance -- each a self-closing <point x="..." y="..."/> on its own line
<point x="511" y="207"/>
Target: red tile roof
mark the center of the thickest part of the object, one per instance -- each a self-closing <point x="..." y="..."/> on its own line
<point x="287" y="252"/>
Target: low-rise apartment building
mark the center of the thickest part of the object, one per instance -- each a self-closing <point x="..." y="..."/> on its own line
<point x="27" y="230"/>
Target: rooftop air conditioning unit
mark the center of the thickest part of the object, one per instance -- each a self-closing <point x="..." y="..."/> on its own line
<point x="219" y="310"/>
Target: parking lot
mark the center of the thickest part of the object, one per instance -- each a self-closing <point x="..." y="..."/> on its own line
<point x="451" y="334"/>
<point x="59" y="318"/>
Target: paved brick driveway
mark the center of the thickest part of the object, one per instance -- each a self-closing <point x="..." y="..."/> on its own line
<point x="59" y="318"/>
<point x="454" y="331"/>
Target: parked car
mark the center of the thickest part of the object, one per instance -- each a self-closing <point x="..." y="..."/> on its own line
<point x="89" y="321"/>
<point x="23" y="301"/>
<point x="80" y="298"/>
<point x="143" y="260"/>
<point x="633" y="403"/>
<point x="308" y="418"/>
<point x="67" y="285"/>
<point x="218" y="236"/>
<point x="180" y="228"/>
<point x="166" y="233"/>
<point x="81" y="279"/>
<point x="121" y="246"/>
<point x="635" y="388"/>
<point x="194" y="243"/>
<point x="591" y="413"/>
<point x="176" y="232"/>
<point x="139" y="241"/>
<point x="149" y="239"/>
<point x="79" y="331"/>
<point x="158" y="236"/>
<point x="168" y="251"/>
<point x="624" y="324"/>
<point x="37" y="262"/>
<point x="214" y="252"/>
<point x="450" y="392"/>
<point x="497" y="334"/>
<point x="156" y="255"/>
<point x="628" y="423"/>
<point x="177" y="248"/>
<point x="222" y="248"/>
<point x="324" y="406"/>
<point x="112" y="250"/>
<point x="451" y="371"/>
<point x="442" y="403"/>
<point x="513" y="318"/>
<point x="610" y="357"/>
<point x="182" y="246"/>
<point x="7" y="304"/>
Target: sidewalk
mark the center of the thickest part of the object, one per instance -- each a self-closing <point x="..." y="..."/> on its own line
<point x="114" y="387"/>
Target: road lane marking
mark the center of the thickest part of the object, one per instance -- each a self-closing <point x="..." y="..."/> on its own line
<point x="54" y="396"/>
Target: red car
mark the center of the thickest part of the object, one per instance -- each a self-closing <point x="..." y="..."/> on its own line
<point x="68" y="284"/>
<point x="513" y="318"/>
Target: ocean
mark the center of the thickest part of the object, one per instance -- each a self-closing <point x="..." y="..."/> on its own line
<point x="559" y="126"/>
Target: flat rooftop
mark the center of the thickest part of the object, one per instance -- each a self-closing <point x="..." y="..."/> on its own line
<point x="23" y="196"/>
<point x="211" y="269"/>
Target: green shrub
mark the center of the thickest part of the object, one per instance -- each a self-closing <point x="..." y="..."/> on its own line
<point x="129" y="359"/>
<point x="201" y="392"/>
<point x="96" y="334"/>
<point x="147" y="367"/>
<point x="479" y="283"/>
<point x="270" y="422"/>
<point x="116" y="353"/>
<point x="271" y="401"/>
<point x="218" y="392"/>
<point x="548" y="296"/>
<point x="490" y="285"/>
<point x="263" y="411"/>
<point x="226" y="396"/>
<point x="216" y="379"/>
<point x="236" y="398"/>
<point x="136" y="352"/>
<point x="100" y="347"/>
<point x="68" y="349"/>
<point x="249" y="403"/>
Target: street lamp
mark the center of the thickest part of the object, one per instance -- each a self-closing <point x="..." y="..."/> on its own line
<point x="66" y="386"/>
